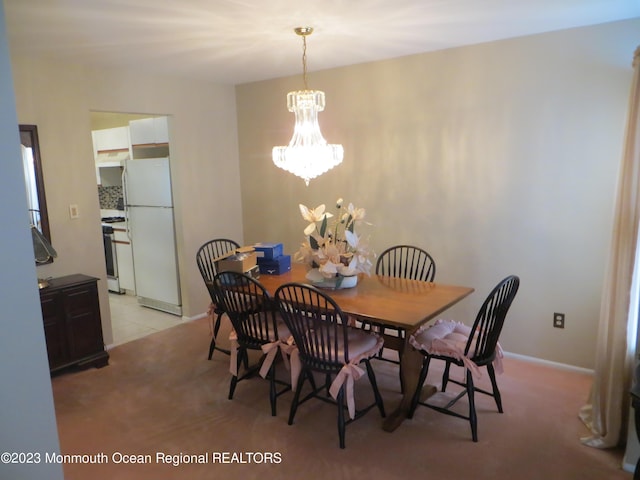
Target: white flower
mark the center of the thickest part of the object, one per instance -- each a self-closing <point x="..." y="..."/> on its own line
<point x="352" y="239"/>
<point x="361" y="252"/>
<point x="335" y="249"/>
<point x="356" y="213"/>
<point x="313" y="215"/>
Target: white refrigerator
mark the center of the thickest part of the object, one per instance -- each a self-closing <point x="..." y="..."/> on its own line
<point x="149" y="214"/>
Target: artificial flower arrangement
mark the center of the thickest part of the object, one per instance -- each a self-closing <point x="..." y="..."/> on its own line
<point x="334" y="248"/>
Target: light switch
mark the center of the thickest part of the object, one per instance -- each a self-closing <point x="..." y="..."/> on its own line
<point x="73" y="211"/>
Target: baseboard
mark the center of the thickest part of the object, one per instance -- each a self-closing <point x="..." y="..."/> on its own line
<point x="549" y="363"/>
<point x="195" y="317"/>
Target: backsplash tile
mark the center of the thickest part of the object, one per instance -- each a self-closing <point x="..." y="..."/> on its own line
<point x="110" y="197"/>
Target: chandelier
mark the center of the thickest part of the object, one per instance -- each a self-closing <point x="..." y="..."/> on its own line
<point x="308" y="153"/>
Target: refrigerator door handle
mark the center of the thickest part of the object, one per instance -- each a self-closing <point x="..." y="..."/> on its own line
<point x="126" y="203"/>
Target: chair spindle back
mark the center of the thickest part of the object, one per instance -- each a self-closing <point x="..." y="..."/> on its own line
<point x="490" y="320"/>
<point x="318" y="325"/>
<point x="249" y="307"/>
<point x="406" y="261"/>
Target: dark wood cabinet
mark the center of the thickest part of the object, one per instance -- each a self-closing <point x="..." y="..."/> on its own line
<point x="72" y="324"/>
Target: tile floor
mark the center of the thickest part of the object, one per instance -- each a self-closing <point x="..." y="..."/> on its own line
<point x="130" y="321"/>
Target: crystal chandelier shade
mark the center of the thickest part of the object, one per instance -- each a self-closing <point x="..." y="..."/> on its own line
<point x="308" y="153"/>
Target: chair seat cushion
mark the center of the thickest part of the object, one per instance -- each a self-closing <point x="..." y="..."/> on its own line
<point x="361" y="344"/>
<point x="283" y="334"/>
<point x="449" y="339"/>
<point x="445" y="338"/>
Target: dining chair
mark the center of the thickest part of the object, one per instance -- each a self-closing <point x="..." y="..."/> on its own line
<point x="256" y="326"/>
<point x="326" y="345"/>
<point x="206" y="258"/>
<point x="402" y="261"/>
<point x="471" y="348"/>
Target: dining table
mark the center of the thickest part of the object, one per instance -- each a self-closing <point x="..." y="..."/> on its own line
<point x="388" y="301"/>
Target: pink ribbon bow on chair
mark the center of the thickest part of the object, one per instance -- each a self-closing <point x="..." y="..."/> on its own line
<point x="348" y="374"/>
<point x="270" y="350"/>
<point x="296" y="366"/>
<point x="233" y="348"/>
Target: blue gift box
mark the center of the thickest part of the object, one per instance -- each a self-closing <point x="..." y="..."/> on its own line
<point x="274" y="266"/>
<point x="268" y="250"/>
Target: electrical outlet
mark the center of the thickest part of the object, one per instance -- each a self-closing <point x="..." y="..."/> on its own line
<point x="558" y="320"/>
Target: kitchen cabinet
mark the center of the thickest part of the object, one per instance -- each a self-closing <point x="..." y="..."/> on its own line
<point x="149" y="131"/>
<point x="72" y="324"/>
<point x="124" y="255"/>
<point x="111" y="147"/>
<point x="109" y="139"/>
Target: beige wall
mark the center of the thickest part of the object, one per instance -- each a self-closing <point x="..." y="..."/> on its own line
<point x="206" y="183"/>
<point x="498" y="158"/>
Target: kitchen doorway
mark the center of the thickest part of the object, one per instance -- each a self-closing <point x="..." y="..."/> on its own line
<point x="144" y="293"/>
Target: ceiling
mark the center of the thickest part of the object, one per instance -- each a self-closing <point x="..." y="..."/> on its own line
<point x="241" y="41"/>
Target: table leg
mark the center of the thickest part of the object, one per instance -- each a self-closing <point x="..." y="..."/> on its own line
<point x="411" y="364"/>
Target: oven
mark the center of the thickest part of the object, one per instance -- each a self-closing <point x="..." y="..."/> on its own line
<point x="111" y="257"/>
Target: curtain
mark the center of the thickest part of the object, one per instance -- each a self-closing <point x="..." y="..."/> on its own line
<point x="606" y="412"/>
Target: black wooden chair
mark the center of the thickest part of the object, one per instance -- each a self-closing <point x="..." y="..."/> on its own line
<point x="206" y="260"/>
<point x="401" y="261"/>
<point x="466" y="347"/>
<point x="327" y="345"/>
<point x="256" y="326"/>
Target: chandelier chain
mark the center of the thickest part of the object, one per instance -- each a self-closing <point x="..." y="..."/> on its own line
<point x="304" y="62"/>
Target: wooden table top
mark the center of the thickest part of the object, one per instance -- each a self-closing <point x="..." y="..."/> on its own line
<point x="393" y="301"/>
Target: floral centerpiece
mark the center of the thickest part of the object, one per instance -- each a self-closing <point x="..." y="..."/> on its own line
<point x="334" y="250"/>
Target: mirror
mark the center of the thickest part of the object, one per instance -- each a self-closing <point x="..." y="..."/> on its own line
<point x="36" y="198"/>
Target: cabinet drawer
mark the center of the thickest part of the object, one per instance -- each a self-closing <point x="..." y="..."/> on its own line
<point x="80" y="299"/>
<point x="120" y="235"/>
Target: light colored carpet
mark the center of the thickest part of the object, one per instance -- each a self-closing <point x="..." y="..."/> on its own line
<point x="161" y="395"/>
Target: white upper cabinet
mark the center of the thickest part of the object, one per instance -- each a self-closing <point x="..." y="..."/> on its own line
<point x="149" y="131"/>
<point x="111" y="139"/>
<point x="110" y="147"/>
